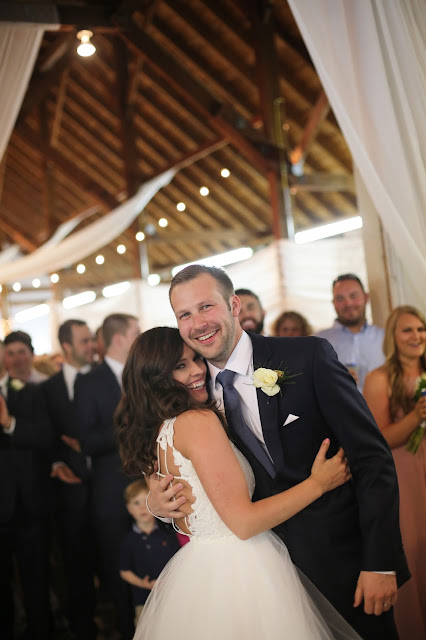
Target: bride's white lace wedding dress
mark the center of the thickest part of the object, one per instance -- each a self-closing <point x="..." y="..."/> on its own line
<point x="218" y="587"/>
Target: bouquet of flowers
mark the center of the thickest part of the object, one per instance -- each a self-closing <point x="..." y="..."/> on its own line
<point x="416" y="437"/>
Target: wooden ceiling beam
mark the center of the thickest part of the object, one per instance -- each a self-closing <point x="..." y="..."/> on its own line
<point x="126" y="112"/>
<point x="323" y="182"/>
<point x="318" y="113"/>
<point x="209" y="234"/>
<point x="224" y="88"/>
<point x="272" y="110"/>
<point x="68" y="13"/>
<point x="193" y="93"/>
<point x="42" y="83"/>
<point x="79" y="177"/>
<point x="17" y="236"/>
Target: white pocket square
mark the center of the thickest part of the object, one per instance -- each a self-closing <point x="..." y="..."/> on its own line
<point x="290" y="418"/>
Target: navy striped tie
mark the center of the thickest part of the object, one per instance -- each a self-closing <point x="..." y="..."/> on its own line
<point x="235" y="418"/>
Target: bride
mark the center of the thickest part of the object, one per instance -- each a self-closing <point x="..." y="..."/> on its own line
<point x="235" y="577"/>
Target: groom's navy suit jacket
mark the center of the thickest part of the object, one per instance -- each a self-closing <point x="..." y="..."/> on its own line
<point x="356" y="526"/>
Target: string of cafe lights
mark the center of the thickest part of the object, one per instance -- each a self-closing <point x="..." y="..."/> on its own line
<point x="153" y="278"/>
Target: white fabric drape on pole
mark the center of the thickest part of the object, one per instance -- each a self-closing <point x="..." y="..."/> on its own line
<point x="85" y="241"/>
<point x="19" y="45"/>
<point x="370" y="57"/>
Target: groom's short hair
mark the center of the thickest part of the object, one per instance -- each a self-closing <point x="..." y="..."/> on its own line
<point x="194" y="270"/>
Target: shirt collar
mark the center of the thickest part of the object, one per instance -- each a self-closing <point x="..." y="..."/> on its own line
<point x="240" y="360"/>
<point x="137" y="530"/>
<point x="116" y="366"/>
<point x="70" y="372"/>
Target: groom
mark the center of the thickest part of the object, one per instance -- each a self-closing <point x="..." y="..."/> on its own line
<point x="348" y="543"/>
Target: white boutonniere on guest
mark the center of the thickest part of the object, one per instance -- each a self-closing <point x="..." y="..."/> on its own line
<point x="270" y="381"/>
<point x="16" y="384"/>
<point x="416" y="437"/>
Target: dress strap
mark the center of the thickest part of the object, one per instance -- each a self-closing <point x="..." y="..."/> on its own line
<point x="165" y="439"/>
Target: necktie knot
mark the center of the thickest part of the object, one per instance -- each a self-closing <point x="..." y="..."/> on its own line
<point x="226" y="378"/>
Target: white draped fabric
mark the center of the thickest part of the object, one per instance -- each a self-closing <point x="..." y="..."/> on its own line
<point x="370" y="57"/>
<point x="14" y="251"/>
<point x="19" y="45"/>
<point x="80" y="244"/>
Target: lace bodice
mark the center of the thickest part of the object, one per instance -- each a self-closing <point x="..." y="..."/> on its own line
<point x="204" y="521"/>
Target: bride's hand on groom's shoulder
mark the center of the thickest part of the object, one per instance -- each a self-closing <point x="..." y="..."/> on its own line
<point x="330" y="473"/>
<point x="161" y="499"/>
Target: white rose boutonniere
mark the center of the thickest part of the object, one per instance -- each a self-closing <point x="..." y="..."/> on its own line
<point x="16" y="384"/>
<point x="270" y="381"/>
<point x="266" y="379"/>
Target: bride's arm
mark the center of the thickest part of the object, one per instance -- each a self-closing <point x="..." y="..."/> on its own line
<point x="200" y="437"/>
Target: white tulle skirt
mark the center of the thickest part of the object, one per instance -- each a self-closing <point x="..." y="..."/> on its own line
<point x="226" y="589"/>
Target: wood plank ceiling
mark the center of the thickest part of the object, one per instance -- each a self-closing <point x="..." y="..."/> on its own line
<point x="172" y="81"/>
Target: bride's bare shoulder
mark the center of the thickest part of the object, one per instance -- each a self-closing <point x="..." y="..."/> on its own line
<point x="196" y="418"/>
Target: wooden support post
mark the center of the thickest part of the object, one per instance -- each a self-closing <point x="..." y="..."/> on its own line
<point x="272" y="112"/>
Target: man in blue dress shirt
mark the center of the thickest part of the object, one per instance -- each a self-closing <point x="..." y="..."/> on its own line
<point x="358" y="344"/>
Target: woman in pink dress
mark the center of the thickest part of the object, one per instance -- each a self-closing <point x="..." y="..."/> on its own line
<point x="389" y="392"/>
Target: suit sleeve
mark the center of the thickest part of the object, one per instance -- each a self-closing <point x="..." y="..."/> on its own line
<point x="96" y="437"/>
<point x="33" y="429"/>
<point x="370" y="459"/>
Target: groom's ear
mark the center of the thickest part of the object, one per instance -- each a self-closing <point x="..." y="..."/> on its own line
<point x="235" y="305"/>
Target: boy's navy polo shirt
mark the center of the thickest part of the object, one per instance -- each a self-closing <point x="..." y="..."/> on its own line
<point x="146" y="555"/>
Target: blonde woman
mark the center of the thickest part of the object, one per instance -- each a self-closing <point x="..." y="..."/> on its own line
<point x="389" y="392"/>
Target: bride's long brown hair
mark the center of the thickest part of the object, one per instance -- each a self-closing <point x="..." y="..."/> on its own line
<point x="150" y="396"/>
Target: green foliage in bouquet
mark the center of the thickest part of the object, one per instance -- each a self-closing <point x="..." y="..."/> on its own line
<point x="416" y="437"/>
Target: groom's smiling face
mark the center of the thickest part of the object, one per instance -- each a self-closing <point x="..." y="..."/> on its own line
<point x="207" y="322"/>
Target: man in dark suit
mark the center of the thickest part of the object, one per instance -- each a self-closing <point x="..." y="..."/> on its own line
<point x="71" y="472"/>
<point x="97" y="397"/>
<point x="348" y="542"/>
<point x="25" y="441"/>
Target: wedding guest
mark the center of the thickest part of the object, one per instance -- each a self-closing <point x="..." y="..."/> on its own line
<point x="25" y="441"/>
<point x="19" y="356"/>
<point x="99" y="345"/>
<point x="252" y="314"/>
<point x="71" y="473"/>
<point x="291" y="324"/>
<point x="357" y="343"/>
<point x="145" y="550"/>
<point x="97" y="395"/>
<point x="390" y="393"/>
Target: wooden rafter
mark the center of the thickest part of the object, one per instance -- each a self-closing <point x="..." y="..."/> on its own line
<point x="17" y="236"/>
<point x="192" y="92"/>
<point x="318" y="113"/>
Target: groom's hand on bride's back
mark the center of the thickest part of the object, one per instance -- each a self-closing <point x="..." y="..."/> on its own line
<point x="163" y="500"/>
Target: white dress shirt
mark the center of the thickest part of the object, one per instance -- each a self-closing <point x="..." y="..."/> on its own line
<point x="70" y="374"/>
<point x="117" y="368"/>
<point x="4" y="382"/>
<point x="241" y="362"/>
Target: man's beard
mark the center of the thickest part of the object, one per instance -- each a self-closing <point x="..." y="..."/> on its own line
<point x="258" y="328"/>
<point x="351" y="322"/>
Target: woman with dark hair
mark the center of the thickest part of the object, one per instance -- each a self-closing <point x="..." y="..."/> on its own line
<point x="234" y="578"/>
<point x="291" y="324"/>
<point x="390" y="392"/>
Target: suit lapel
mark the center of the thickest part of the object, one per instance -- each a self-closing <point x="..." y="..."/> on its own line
<point x="63" y="396"/>
<point x="12" y="398"/>
<point x="112" y="382"/>
<point x="268" y="405"/>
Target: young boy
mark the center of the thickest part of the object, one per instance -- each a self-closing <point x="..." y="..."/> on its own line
<point x="145" y="550"/>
